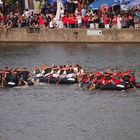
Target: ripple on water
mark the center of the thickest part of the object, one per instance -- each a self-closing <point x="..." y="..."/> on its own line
<point x="57" y="112"/>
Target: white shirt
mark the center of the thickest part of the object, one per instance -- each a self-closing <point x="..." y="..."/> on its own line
<point x="51" y="24"/>
<point x="60" y="24"/>
<point x="79" y="19"/>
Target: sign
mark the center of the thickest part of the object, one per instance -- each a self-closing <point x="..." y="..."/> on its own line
<point x="94" y="32"/>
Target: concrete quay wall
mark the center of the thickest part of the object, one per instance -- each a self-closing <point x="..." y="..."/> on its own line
<point x="71" y="35"/>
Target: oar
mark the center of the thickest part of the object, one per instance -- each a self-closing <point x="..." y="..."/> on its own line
<point x="2" y="83"/>
<point x="49" y="80"/>
<point x="133" y="85"/>
<point x="102" y="86"/>
<point x="26" y="83"/>
<point x="92" y="87"/>
<point x="59" y="80"/>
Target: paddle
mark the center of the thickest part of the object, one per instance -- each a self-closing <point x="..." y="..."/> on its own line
<point x="102" y="86"/>
<point x="92" y="87"/>
<point x="49" y="79"/>
<point x="133" y="85"/>
<point x="3" y="81"/>
<point x="59" y="80"/>
<point x="26" y="83"/>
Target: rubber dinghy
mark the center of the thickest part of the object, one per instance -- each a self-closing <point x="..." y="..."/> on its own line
<point x="52" y="80"/>
<point x="13" y="84"/>
<point x="110" y="86"/>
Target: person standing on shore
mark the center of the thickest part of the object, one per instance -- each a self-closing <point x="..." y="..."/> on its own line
<point x="106" y="21"/>
<point x="114" y="25"/>
<point x="79" y="20"/>
<point x="119" y="19"/>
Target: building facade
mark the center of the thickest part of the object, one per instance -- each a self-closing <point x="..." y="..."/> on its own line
<point x="30" y="4"/>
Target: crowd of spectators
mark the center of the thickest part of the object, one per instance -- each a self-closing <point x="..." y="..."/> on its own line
<point x="71" y="16"/>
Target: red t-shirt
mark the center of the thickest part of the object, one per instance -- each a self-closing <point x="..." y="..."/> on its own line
<point x="41" y="21"/>
<point x="65" y="20"/>
<point x="106" y="20"/>
<point x="115" y="21"/>
<point x="3" y="19"/>
<point x="72" y="20"/>
<point x="132" y="80"/>
<point x="116" y="81"/>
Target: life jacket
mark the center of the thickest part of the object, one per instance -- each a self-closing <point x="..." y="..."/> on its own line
<point x="126" y="77"/>
<point x="13" y="77"/>
<point x="25" y="75"/>
<point x="107" y="82"/>
<point x="37" y="71"/>
<point x="132" y="80"/>
<point x="85" y="80"/>
<point x="116" y="80"/>
<point x="48" y="70"/>
<point x="107" y="79"/>
<point x="100" y="79"/>
<point x="99" y="73"/>
<point x="7" y="75"/>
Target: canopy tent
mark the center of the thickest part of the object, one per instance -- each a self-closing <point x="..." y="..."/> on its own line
<point x="1" y="2"/>
<point x="134" y="3"/>
<point x="98" y="3"/>
<point x="124" y="2"/>
<point x="54" y="1"/>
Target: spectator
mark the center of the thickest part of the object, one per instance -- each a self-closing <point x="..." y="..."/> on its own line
<point x="62" y="12"/>
<point x="8" y="25"/>
<point x="76" y="12"/>
<point x="65" y="20"/>
<point x="114" y="22"/>
<point x="106" y="21"/>
<point x="83" y="12"/>
<point x="60" y="24"/>
<point x="131" y="21"/>
<point x="52" y="24"/>
<point x="96" y="21"/>
<point x="101" y="22"/>
<point x="79" y="20"/>
<point x="119" y="19"/>
<point x="124" y="22"/>
<point x="71" y="17"/>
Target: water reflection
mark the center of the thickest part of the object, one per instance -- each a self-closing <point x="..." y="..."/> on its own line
<point x="88" y="55"/>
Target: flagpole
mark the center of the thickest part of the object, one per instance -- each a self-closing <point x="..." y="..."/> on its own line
<point x="26" y="4"/>
<point x="58" y="10"/>
<point x="120" y="7"/>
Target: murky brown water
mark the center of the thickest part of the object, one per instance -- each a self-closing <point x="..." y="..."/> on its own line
<point x="51" y="112"/>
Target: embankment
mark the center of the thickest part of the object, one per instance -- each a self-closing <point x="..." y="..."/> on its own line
<point x="71" y="35"/>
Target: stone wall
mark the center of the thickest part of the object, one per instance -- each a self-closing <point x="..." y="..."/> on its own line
<point x="70" y="35"/>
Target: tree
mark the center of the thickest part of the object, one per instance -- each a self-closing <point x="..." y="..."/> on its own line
<point x="9" y="4"/>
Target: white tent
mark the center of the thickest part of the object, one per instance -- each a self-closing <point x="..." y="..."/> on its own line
<point x="134" y="3"/>
<point x="1" y="2"/>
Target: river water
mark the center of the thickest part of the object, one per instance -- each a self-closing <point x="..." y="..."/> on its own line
<point x="60" y="112"/>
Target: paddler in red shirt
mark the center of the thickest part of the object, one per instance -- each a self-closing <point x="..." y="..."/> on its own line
<point x="132" y="78"/>
<point x="100" y="78"/>
<point x="107" y="79"/>
<point x="116" y="79"/>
